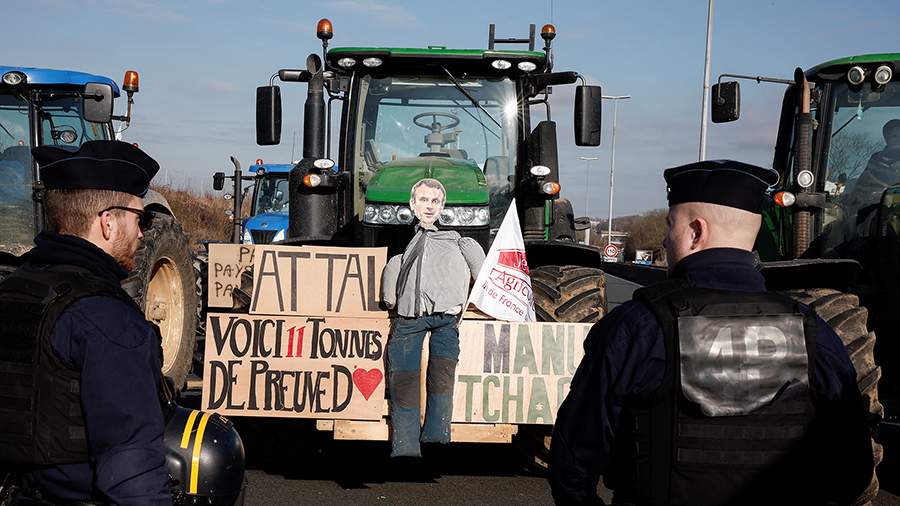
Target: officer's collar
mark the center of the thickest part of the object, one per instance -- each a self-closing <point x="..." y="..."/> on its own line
<point x="54" y="248"/>
<point x="713" y="257"/>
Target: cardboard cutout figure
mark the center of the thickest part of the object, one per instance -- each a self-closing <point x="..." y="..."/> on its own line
<point x="428" y="286"/>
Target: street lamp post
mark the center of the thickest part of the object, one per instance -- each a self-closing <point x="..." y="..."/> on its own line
<point x="587" y="193"/>
<point x="709" y="24"/>
<point x="587" y="178"/>
<point x="612" y="159"/>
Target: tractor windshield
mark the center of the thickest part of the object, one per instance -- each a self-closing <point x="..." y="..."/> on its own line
<point x="16" y="206"/>
<point x="62" y="123"/>
<point x="410" y="117"/>
<point x="272" y="195"/>
<point x="863" y="160"/>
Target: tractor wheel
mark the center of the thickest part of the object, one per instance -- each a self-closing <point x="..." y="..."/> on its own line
<point x="162" y="283"/>
<point x="562" y="293"/>
<point x="201" y="287"/>
<point x="843" y="312"/>
<point x="568" y="293"/>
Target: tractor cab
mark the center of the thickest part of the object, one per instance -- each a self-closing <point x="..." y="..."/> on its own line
<point x="40" y="107"/>
<point x="268" y="218"/>
<point x="461" y="116"/>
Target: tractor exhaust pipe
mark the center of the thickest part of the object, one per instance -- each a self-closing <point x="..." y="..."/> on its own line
<point x="802" y="161"/>
<point x="314" y="110"/>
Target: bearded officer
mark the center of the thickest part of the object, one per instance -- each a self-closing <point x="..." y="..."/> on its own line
<point x="706" y="389"/>
<point x="82" y="418"/>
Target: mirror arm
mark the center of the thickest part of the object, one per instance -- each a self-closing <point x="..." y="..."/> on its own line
<point x="126" y="119"/>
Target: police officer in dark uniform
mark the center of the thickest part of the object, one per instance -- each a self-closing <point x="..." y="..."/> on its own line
<point x="79" y="364"/>
<point x="706" y="389"/>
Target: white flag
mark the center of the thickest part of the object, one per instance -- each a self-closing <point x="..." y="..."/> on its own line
<point x="503" y="287"/>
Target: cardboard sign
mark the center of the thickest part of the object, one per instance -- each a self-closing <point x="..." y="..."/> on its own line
<point x="318" y="280"/>
<point x="515" y="372"/>
<point x="226" y="264"/>
<point x="308" y="367"/>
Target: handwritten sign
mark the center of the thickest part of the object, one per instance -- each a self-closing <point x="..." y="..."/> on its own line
<point x="515" y="372"/>
<point x="226" y="264"/>
<point x="317" y="280"/>
<point x="307" y="367"/>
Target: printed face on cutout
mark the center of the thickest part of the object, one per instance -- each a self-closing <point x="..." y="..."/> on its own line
<point x="427" y="204"/>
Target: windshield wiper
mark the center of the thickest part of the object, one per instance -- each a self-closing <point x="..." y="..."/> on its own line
<point x="7" y="132"/>
<point x="472" y="99"/>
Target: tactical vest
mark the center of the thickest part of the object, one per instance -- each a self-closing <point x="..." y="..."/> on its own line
<point x="730" y="423"/>
<point x="41" y="422"/>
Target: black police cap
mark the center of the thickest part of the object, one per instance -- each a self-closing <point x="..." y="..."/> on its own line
<point x="723" y="182"/>
<point x="96" y="165"/>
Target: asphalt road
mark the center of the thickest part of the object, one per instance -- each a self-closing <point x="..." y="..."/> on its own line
<point x="291" y="463"/>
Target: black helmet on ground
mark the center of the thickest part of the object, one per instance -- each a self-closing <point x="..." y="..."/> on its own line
<point x="205" y="458"/>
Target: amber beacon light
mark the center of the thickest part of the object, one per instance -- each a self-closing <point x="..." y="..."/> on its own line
<point x="324" y="29"/>
<point x="132" y="81"/>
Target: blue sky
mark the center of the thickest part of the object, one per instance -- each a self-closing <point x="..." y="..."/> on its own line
<point x="201" y="60"/>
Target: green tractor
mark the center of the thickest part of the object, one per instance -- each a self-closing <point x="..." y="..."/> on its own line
<point x="831" y="234"/>
<point x="462" y="116"/>
<point x="64" y="108"/>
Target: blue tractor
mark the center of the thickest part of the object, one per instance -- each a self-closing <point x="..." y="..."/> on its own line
<point x="268" y="220"/>
<point x="66" y="108"/>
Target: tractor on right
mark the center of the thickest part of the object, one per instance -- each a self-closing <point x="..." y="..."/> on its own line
<point x="831" y="229"/>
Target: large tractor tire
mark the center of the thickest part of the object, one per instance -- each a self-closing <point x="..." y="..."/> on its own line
<point x="843" y="312"/>
<point x="562" y="293"/>
<point x="162" y="283"/>
<point x="201" y="288"/>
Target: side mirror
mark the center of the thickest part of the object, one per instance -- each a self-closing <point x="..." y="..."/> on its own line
<point x="97" y="103"/>
<point x="218" y="181"/>
<point x="268" y="115"/>
<point x="588" y="100"/>
<point x="726" y="102"/>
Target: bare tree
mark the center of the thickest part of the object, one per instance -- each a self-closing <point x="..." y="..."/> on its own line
<point x="849" y="154"/>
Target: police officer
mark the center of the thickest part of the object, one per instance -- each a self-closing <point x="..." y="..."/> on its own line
<point x="79" y="364"/>
<point x="706" y="389"/>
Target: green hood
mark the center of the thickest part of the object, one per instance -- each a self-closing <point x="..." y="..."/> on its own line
<point x="462" y="179"/>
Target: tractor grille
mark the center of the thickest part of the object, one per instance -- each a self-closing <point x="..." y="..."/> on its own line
<point x="263" y="236"/>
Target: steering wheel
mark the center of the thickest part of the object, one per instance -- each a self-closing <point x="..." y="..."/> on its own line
<point x="436" y="127"/>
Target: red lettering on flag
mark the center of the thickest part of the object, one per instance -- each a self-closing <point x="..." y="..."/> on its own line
<point x="514" y="258"/>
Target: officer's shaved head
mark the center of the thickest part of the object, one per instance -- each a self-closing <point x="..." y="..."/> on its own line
<point x="697" y="226"/>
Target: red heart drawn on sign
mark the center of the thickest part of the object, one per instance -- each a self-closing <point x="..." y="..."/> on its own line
<point x="367" y="381"/>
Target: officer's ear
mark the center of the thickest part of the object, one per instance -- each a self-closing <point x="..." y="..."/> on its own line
<point x="106" y="224"/>
<point x="699" y="232"/>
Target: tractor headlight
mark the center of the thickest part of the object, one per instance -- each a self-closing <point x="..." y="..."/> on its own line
<point x="279" y="236"/>
<point x="346" y="62"/>
<point x="387" y="214"/>
<point x="454" y="216"/>
<point x="883" y="75"/>
<point x="13" y="78"/>
<point x="526" y="66"/>
<point x="405" y="215"/>
<point x="247" y="239"/>
<point x="370" y="214"/>
<point x="465" y="216"/>
<point x="501" y="64"/>
<point x="384" y="214"/>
